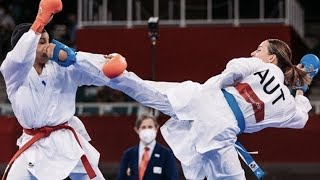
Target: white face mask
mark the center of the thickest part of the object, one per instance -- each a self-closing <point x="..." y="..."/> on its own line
<point x="147" y="135"/>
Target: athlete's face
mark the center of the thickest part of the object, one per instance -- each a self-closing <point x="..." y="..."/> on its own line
<point x="263" y="53"/>
<point x="44" y="49"/>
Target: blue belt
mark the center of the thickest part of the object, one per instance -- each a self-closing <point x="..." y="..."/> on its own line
<point x="243" y="153"/>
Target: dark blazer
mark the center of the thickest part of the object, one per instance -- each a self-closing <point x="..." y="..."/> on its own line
<point x="161" y="166"/>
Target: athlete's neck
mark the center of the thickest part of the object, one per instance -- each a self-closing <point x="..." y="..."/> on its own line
<point x="38" y="67"/>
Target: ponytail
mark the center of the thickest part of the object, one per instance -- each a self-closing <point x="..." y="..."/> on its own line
<point x="295" y="76"/>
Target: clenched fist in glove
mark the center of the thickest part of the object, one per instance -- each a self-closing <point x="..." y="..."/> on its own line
<point x="310" y="64"/>
<point x="47" y="8"/>
<point x="115" y="65"/>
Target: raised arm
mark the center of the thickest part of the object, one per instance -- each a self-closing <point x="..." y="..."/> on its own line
<point x="19" y="61"/>
<point x="237" y="69"/>
<point x="25" y="38"/>
<point x="87" y="69"/>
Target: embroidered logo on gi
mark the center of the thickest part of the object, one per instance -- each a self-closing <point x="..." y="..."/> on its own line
<point x="253" y="166"/>
<point x="30" y="164"/>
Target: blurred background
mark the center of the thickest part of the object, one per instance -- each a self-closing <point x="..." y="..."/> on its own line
<point x="196" y="39"/>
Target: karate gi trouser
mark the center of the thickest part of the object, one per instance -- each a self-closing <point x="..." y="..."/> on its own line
<point x="19" y="171"/>
<point x="221" y="164"/>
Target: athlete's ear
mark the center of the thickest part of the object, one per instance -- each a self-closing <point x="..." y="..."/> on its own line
<point x="273" y="59"/>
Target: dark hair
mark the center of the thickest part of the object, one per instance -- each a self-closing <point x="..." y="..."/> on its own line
<point x="292" y="74"/>
<point x="18" y="31"/>
<point x="144" y="117"/>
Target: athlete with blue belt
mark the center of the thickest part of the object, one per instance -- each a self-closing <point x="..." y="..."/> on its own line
<point x="249" y="95"/>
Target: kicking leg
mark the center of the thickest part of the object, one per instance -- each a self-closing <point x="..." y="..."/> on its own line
<point x="224" y="164"/>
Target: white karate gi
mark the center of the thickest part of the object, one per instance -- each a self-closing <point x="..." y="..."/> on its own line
<point x="36" y="105"/>
<point x="203" y="128"/>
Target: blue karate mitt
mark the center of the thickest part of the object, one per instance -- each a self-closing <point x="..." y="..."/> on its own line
<point x="310" y="64"/>
<point x="71" y="54"/>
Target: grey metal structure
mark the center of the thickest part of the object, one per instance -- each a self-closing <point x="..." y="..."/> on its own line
<point x="191" y="12"/>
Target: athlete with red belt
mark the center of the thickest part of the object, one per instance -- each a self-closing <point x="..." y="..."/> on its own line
<point x="54" y="143"/>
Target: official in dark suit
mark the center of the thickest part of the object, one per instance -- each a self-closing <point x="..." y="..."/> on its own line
<point x="148" y="160"/>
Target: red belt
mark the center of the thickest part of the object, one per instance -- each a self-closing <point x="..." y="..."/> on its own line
<point x="45" y="132"/>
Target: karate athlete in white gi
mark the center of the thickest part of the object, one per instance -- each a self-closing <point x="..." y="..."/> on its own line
<point x="249" y="95"/>
<point x="42" y="94"/>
